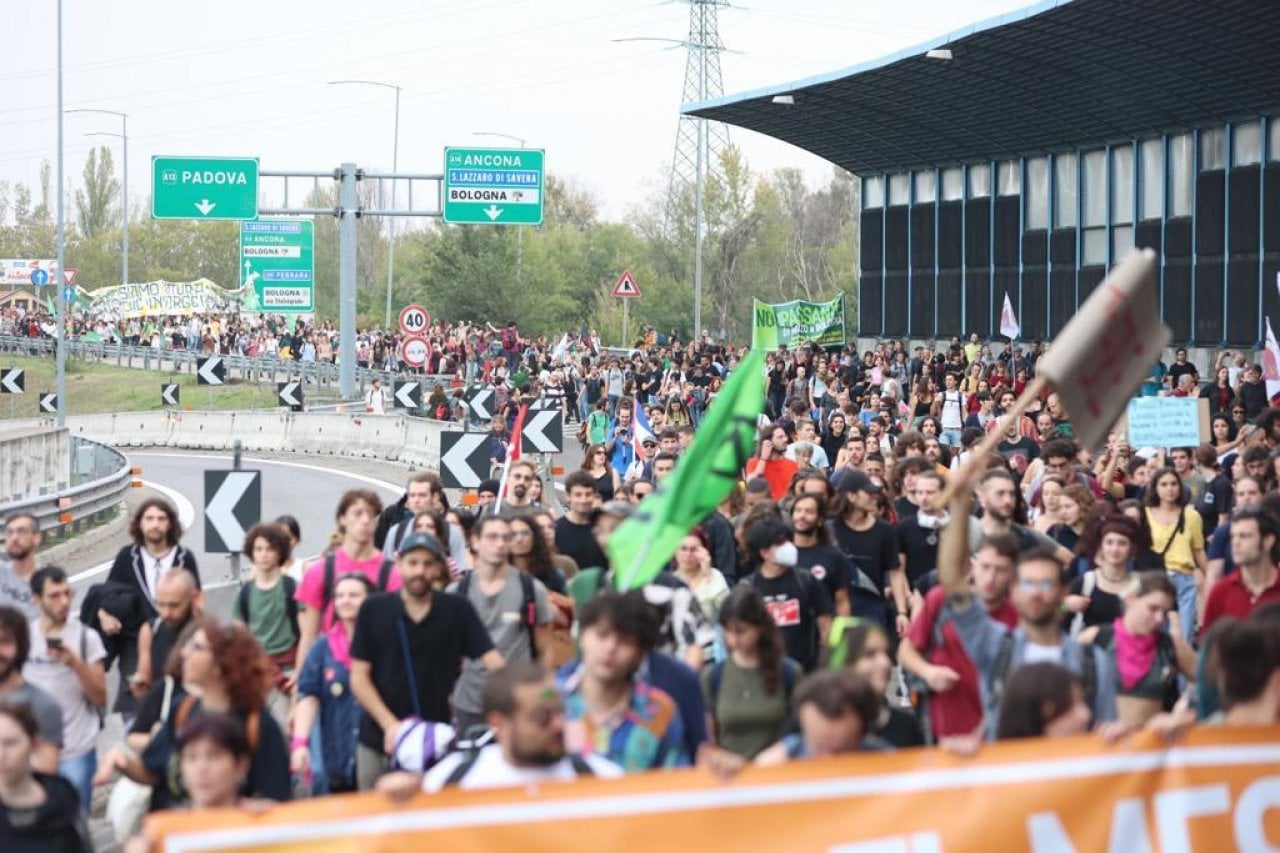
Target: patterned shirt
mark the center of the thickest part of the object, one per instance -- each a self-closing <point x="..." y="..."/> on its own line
<point x="647" y="735"/>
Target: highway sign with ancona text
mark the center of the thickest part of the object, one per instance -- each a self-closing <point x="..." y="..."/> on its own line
<point x="493" y="186"/>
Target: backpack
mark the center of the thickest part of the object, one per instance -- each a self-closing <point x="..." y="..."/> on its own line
<point x="1003" y="668"/>
<point x="291" y="604"/>
<point x="470" y="750"/>
<point x="790" y="672"/>
<point x="528" y="607"/>
<point x="331" y="572"/>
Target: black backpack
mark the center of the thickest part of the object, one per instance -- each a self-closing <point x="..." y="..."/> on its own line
<point x="331" y="573"/>
<point x="291" y="604"/>
<point x="470" y="749"/>
<point x="528" y="605"/>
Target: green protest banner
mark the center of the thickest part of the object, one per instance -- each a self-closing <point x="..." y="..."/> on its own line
<point x="798" y="322"/>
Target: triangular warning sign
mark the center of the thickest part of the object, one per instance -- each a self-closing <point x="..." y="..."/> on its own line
<point x="626" y="286"/>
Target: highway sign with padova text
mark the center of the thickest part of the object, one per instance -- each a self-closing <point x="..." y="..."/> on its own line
<point x="493" y="186"/>
<point x="414" y="319"/>
<point x="204" y="187"/>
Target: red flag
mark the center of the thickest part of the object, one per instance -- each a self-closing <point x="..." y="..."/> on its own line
<point x="513" y="441"/>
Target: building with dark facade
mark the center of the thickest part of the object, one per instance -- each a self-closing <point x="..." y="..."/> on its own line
<point x="1024" y="154"/>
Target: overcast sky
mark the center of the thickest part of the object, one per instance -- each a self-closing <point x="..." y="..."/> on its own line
<point x="249" y="78"/>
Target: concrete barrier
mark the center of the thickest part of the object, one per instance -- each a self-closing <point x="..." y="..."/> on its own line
<point x="202" y="430"/>
<point x="34" y="460"/>
<point x="376" y="436"/>
<point x="395" y="438"/>
<point x="261" y="431"/>
<point x="141" y="429"/>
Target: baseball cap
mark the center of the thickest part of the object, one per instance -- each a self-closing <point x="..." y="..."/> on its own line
<point x="649" y="441"/>
<point x="414" y="541"/>
<point x="853" y="480"/>
<point x="620" y="510"/>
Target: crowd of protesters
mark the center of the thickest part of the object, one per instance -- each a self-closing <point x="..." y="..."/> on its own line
<point x="876" y="581"/>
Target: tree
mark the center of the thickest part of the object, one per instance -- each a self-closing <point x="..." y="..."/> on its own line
<point x="95" y="204"/>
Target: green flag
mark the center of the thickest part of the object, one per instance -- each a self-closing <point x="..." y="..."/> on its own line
<point x="48" y="303"/>
<point x="712" y="465"/>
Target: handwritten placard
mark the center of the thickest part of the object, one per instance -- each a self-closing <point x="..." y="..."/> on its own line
<point x="1164" y="422"/>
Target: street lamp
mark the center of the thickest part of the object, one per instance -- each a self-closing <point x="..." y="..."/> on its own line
<point x="519" y="230"/>
<point x="124" y="195"/>
<point x="395" y="162"/>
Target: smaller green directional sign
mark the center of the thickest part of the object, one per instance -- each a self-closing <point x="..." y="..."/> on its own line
<point x="493" y="186"/>
<point x="204" y="187"/>
<point x="277" y="258"/>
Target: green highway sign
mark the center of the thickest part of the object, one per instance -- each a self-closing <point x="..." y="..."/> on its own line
<point x="204" y="188"/>
<point x="493" y="186"/>
<point x="277" y="259"/>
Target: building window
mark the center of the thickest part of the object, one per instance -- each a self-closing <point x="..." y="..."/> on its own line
<point x="1093" y="248"/>
<point x="1037" y="213"/>
<point x="1246" y="144"/>
<point x="926" y="187"/>
<point x="1009" y="179"/>
<point x="873" y="192"/>
<point x="1122" y="184"/>
<point x="980" y="181"/>
<point x="952" y="184"/>
<point x="1181" y="171"/>
<point x="1121" y="241"/>
<point x="899" y="189"/>
<point x="1213" y="149"/>
<point x="1065" y="187"/>
<point x="1151" y="176"/>
<point x="1094" y="191"/>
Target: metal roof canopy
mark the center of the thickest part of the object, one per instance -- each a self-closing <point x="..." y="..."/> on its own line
<point x="1058" y="75"/>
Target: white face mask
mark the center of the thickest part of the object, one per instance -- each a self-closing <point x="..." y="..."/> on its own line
<point x="786" y="555"/>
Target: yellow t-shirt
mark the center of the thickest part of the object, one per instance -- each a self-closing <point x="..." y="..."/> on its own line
<point x="1180" y="557"/>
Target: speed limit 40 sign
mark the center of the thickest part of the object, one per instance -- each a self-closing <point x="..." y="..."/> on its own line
<point x="414" y="319"/>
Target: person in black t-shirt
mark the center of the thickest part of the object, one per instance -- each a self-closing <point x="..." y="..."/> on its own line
<point x="433" y="630"/>
<point x="872" y="549"/>
<point x="816" y="553"/>
<point x="797" y="602"/>
<point x="917" y="536"/>
<point x="574" y="536"/>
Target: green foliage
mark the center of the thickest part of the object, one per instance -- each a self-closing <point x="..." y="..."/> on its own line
<point x="95" y="204"/>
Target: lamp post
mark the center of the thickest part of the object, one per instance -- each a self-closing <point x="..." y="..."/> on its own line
<point x="519" y="230"/>
<point x="395" y="162"/>
<point x="124" y="181"/>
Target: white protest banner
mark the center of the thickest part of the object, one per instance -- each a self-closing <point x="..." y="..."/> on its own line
<point x="1103" y="354"/>
<point x="161" y="298"/>
<point x="1164" y="422"/>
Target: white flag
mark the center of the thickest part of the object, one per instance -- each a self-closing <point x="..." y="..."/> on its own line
<point x="1271" y="363"/>
<point x="1008" y="320"/>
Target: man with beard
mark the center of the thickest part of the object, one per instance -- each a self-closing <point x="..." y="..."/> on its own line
<point x="424" y="492"/>
<point x="996" y="650"/>
<point x="407" y="651"/>
<point x="176" y="600"/>
<point x="998" y="497"/>
<point x="15" y="646"/>
<point x="519" y="479"/>
<point x="526" y="715"/>
<point x="21" y="539"/>
<point x="817" y="555"/>
<point x="138" y="568"/>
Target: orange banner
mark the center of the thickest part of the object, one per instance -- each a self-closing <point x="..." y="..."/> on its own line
<point x="1218" y="790"/>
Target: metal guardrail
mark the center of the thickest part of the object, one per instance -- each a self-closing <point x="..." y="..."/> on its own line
<point x="106" y="477"/>
<point x="256" y="369"/>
